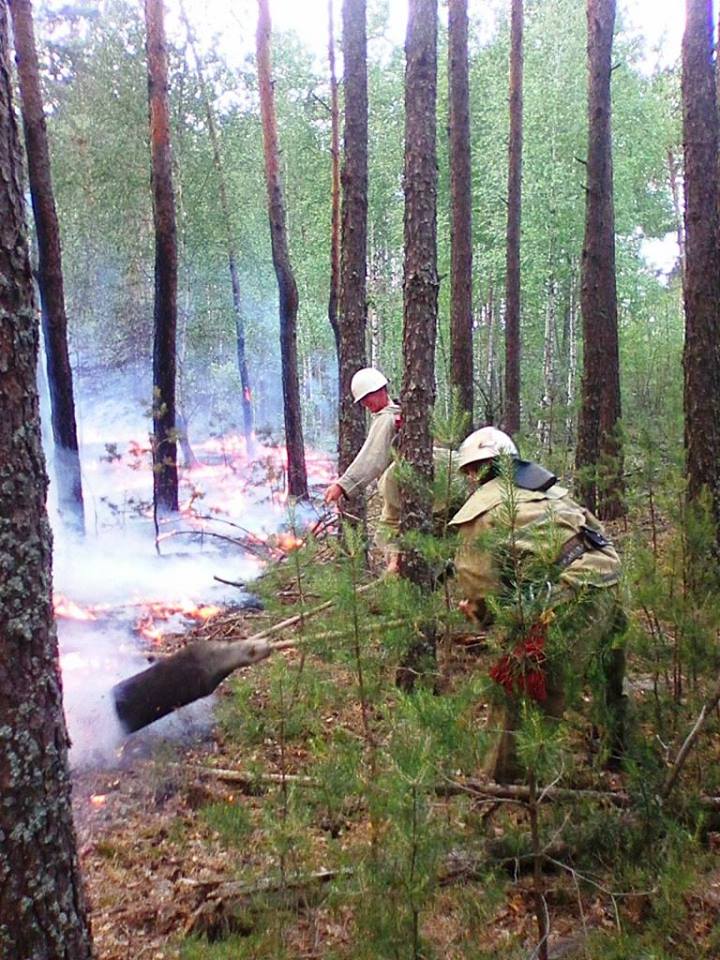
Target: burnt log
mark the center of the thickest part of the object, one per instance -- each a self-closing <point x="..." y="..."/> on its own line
<point x="189" y="675"/>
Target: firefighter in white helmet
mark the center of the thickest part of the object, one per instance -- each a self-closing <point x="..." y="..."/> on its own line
<point x="552" y="577"/>
<point x="375" y="461"/>
<point x="369" y="387"/>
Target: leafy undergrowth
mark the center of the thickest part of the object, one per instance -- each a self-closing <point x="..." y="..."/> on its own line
<point x="314" y="820"/>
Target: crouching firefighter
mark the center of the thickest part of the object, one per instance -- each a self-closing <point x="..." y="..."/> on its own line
<point x="541" y="567"/>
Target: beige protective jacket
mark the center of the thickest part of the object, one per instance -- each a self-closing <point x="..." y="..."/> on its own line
<point x="449" y="489"/>
<point x="375" y="455"/>
<point x="541" y="522"/>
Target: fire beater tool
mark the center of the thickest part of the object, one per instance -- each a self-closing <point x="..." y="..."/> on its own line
<point x="195" y="671"/>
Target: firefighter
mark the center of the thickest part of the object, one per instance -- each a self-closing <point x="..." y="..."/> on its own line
<point x="542" y="564"/>
<point x="375" y="462"/>
<point x="369" y="387"/>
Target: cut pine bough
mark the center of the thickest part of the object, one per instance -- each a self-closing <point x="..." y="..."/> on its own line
<point x="196" y="671"/>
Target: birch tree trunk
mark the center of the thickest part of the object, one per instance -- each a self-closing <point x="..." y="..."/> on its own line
<point x="335" y="184"/>
<point x="245" y="384"/>
<point x="677" y="209"/>
<point x="545" y="423"/>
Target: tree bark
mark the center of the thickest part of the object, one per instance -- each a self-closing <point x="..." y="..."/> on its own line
<point x="420" y="288"/>
<point x="246" y="402"/>
<point x="352" y="319"/>
<point x="511" y="418"/>
<point x="702" y="258"/>
<point x="571" y="354"/>
<point x="287" y="288"/>
<point x="42" y="905"/>
<point x="599" y="456"/>
<point x="165" y="475"/>
<point x="677" y="211"/>
<point x="547" y="401"/>
<point x="50" y="277"/>
<point x="335" y="184"/>
<point x="461" y="321"/>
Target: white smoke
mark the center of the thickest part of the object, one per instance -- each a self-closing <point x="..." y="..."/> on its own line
<point x="116" y="571"/>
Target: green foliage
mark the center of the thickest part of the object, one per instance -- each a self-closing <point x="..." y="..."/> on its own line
<point x="231" y="821"/>
<point x="96" y="91"/>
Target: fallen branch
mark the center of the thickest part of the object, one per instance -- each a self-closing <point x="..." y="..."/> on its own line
<point x="515" y="793"/>
<point x="679" y="763"/>
<point x="521" y="794"/>
<point x="244" y="780"/>
<point x="256" y="547"/>
<point x="231" y="583"/>
<point x="229" y="905"/>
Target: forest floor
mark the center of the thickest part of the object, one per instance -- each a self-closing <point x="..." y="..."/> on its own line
<point x="223" y="846"/>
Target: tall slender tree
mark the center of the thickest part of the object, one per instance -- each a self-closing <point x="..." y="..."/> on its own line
<point x="511" y="418"/>
<point x="352" y="315"/>
<point x="42" y="906"/>
<point x="50" y="276"/>
<point x="461" y="319"/>
<point x="420" y="290"/>
<point x="165" y="475"/>
<point x="702" y="257"/>
<point x="334" y="297"/>
<point x="599" y="451"/>
<point x="247" y="409"/>
<point x="287" y="288"/>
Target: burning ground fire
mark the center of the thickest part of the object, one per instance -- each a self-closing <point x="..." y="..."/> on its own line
<point x="122" y="589"/>
<point x="149" y="613"/>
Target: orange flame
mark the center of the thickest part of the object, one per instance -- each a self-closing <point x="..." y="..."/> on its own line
<point x="288" y="542"/>
<point x="69" y="610"/>
<point x="163" y="611"/>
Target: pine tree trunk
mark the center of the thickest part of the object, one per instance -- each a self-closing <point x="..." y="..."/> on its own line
<point x="165" y="475"/>
<point x="511" y="418"/>
<point x="50" y="277"/>
<point x="42" y="905"/>
<point x="352" y="319"/>
<point x="599" y="451"/>
<point x="461" y="202"/>
<point x="287" y="288"/>
<point x="245" y="384"/>
<point x="702" y="259"/>
<point x="420" y="276"/>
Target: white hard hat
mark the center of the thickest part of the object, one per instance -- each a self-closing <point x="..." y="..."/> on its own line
<point x="485" y="444"/>
<point x="366" y="381"/>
